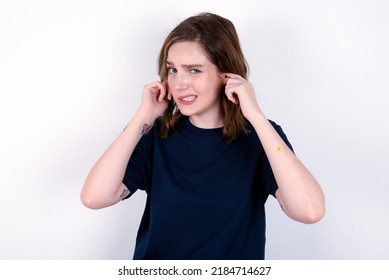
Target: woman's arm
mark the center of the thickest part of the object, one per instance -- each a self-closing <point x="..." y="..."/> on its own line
<point x="299" y="194"/>
<point x="103" y="186"/>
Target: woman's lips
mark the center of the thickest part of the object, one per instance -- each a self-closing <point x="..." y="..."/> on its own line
<point x="187" y="99"/>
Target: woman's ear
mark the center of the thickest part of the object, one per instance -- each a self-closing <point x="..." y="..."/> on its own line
<point x="223" y="78"/>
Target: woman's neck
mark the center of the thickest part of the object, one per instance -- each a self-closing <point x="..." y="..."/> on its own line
<point x="203" y="122"/>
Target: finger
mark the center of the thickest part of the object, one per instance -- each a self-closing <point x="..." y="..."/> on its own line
<point x="233" y="83"/>
<point x="232" y="96"/>
<point x="169" y="94"/>
<point x="233" y="76"/>
<point x="235" y="97"/>
<point x="161" y="91"/>
<point x="153" y="88"/>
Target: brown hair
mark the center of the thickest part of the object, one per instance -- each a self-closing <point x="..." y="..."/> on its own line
<point x="220" y="42"/>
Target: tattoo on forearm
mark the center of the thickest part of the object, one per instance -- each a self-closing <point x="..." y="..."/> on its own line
<point x="146" y="127"/>
<point x="124" y="193"/>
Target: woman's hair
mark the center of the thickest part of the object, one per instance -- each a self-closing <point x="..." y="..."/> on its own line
<point x="220" y="42"/>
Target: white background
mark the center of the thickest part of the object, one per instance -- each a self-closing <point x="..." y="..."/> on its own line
<point x="71" y="76"/>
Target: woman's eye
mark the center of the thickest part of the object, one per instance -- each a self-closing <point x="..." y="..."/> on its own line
<point x="195" y="71"/>
<point x="171" y="70"/>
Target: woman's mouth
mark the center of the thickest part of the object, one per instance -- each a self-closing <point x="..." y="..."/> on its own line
<point x="187" y="99"/>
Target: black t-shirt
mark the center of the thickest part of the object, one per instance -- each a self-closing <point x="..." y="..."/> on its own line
<point x="205" y="197"/>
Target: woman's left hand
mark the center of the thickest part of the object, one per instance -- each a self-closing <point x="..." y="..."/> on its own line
<point x="240" y="91"/>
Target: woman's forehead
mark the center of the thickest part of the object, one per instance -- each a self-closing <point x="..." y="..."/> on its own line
<point x="187" y="53"/>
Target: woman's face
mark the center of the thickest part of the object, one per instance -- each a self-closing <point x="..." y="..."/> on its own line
<point x="195" y="84"/>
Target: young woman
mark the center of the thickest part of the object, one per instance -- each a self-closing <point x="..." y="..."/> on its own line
<point x="205" y="154"/>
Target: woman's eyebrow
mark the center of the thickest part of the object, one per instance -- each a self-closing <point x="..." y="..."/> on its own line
<point x="185" y="65"/>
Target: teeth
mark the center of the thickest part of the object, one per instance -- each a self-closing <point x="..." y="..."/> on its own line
<point x="189" y="98"/>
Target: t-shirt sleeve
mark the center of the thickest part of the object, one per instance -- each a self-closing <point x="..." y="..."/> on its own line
<point x="138" y="171"/>
<point x="269" y="180"/>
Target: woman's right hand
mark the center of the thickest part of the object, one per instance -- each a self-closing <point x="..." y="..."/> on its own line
<point x="155" y="99"/>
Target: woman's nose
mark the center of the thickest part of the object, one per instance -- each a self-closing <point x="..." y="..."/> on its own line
<point x="181" y="82"/>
